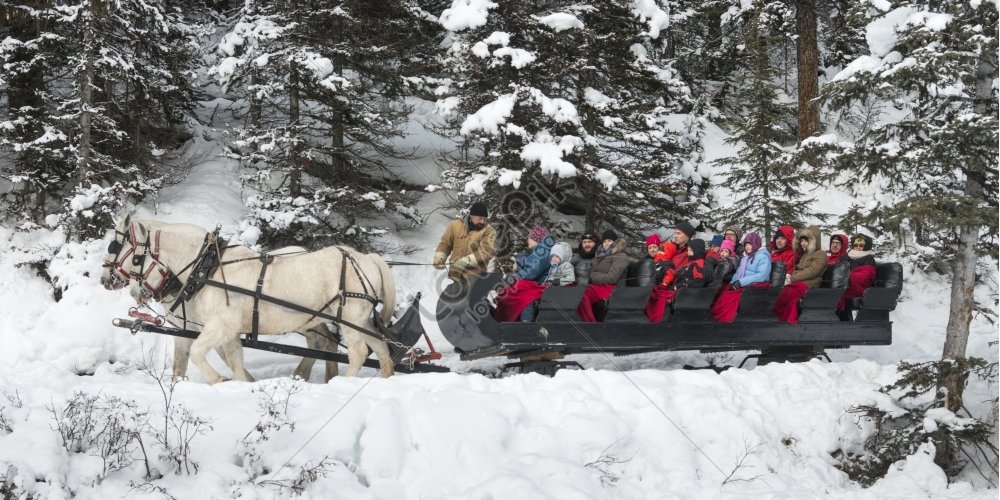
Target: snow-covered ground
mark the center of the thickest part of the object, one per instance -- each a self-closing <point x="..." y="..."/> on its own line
<point x="632" y="427"/>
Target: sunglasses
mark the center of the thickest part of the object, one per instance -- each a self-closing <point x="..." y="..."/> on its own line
<point x="859" y="245"/>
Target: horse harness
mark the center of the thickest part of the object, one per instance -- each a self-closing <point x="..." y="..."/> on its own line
<point x="209" y="258"/>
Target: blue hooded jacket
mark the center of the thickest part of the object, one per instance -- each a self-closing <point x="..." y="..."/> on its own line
<point x="536" y="262"/>
<point x="753" y="271"/>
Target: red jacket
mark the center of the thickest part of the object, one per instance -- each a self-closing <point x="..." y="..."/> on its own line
<point x="692" y="275"/>
<point x="786" y="254"/>
<point x="669" y="261"/>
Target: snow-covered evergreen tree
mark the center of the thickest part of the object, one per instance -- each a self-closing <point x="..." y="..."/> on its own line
<point x="935" y="156"/>
<point x="842" y="31"/>
<point x="108" y="88"/>
<point x="35" y="158"/>
<point x="769" y="181"/>
<point x="568" y="107"/>
<point x="324" y="86"/>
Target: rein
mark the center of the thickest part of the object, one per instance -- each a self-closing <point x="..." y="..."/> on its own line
<point x="393" y="263"/>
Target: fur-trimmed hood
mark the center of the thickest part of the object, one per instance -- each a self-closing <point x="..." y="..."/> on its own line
<point x="812" y="234"/>
<point x="617" y="247"/>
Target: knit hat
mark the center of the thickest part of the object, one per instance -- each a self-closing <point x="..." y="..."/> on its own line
<point x="589" y="235"/>
<point x="717" y="241"/>
<point x="729" y="245"/>
<point x="610" y="234"/>
<point x="685" y="228"/>
<point x="697" y="248"/>
<point x="654" y="239"/>
<point x="735" y="229"/>
<point x="754" y="240"/>
<point x="538" y="233"/>
<point x="478" y="209"/>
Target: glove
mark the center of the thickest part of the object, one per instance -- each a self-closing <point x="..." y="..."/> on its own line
<point x="464" y="263"/>
<point x="439" y="258"/>
<point x="788" y="279"/>
<point x="735" y="285"/>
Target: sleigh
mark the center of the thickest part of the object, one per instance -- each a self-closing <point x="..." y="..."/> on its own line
<point x="464" y="316"/>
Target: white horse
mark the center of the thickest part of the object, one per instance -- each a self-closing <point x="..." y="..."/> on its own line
<point x="151" y="252"/>
<point x="319" y="337"/>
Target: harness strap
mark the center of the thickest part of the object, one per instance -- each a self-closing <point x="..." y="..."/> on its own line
<point x="295" y="307"/>
<point x="366" y="284"/>
<point x="328" y="304"/>
<point x="278" y="256"/>
<point x="207" y="258"/>
<point x="191" y="286"/>
<point x="343" y="285"/>
<point x="265" y="261"/>
<point x="214" y="238"/>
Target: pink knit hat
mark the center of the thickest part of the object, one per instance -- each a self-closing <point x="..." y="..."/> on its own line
<point x="654" y="239"/>
<point x="538" y="233"/>
<point x="729" y="245"/>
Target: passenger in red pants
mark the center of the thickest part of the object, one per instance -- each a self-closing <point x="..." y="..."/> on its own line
<point x="754" y="271"/>
<point x="692" y="275"/>
<point x="862" y="273"/>
<point x="610" y="264"/>
<point x="666" y="264"/>
<point x="533" y="269"/>
<point x="810" y="263"/>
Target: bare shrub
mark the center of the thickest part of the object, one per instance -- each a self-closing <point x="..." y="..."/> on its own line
<point x="605" y="465"/>
<point x="176" y="427"/>
<point x="13" y="400"/>
<point x="103" y="426"/>
<point x="305" y="475"/>
<point x="274" y="400"/>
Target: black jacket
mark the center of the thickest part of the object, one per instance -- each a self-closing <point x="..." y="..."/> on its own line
<point x="697" y="271"/>
<point x="723" y="272"/>
<point x="582" y="264"/>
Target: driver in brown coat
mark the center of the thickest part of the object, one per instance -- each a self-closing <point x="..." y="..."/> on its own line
<point x="470" y="242"/>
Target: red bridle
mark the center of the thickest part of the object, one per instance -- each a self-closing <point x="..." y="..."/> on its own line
<point x="152" y="250"/>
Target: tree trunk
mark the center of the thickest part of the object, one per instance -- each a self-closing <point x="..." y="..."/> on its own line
<point x="255" y="102"/>
<point x="768" y="221"/>
<point x="86" y="102"/>
<point x="338" y="159"/>
<point x="808" y="67"/>
<point x="295" y="176"/>
<point x="963" y="283"/>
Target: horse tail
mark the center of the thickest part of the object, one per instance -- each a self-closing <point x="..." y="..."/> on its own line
<point x="388" y="288"/>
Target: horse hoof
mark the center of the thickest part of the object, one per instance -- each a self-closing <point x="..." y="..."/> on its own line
<point x="219" y="380"/>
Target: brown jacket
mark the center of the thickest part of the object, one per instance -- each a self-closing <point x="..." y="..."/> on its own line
<point x="809" y="268"/>
<point x="609" y="269"/>
<point x="459" y="241"/>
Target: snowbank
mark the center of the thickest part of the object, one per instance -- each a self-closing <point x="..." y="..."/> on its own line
<point x="581" y="434"/>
